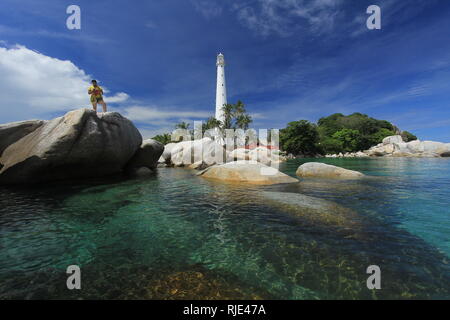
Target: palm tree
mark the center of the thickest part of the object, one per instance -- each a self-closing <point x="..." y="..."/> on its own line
<point x="243" y="121"/>
<point x="182" y="125"/>
<point x="211" y="123"/>
<point x="164" y="138"/>
<point x="239" y="108"/>
<point x="228" y="113"/>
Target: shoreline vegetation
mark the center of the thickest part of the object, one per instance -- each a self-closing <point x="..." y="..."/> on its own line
<point x="81" y="145"/>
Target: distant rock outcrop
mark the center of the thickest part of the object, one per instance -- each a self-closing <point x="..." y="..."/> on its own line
<point x="322" y="170"/>
<point x="77" y="145"/>
<point x="394" y="146"/>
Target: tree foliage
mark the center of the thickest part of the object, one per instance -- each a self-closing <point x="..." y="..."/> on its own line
<point x="337" y="133"/>
<point x="300" y="137"/>
<point x="164" y="138"/>
<point x="356" y="132"/>
<point x="408" y="136"/>
<point x="236" y="117"/>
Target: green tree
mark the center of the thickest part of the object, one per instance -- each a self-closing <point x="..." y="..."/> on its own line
<point x="243" y="121"/>
<point x="228" y="113"/>
<point x="355" y="132"/>
<point x="378" y="137"/>
<point x="330" y="146"/>
<point x="164" y="138"/>
<point x="348" y="138"/>
<point x="235" y="116"/>
<point x="182" y="125"/>
<point x="211" y="123"/>
<point x="300" y="137"/>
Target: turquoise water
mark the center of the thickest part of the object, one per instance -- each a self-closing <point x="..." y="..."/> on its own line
<point x="173" y="235"/>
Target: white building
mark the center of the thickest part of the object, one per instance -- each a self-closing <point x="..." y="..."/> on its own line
<point x="221" y="90"/>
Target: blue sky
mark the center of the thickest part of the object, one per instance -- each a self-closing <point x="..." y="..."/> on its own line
<point x="286" y="60"/>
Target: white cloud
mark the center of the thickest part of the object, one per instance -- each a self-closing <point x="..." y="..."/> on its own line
<point x="208" y="8"/>
<point x="282" y="16"/>
<point x="150" y="24"/>
<point x="36" y="86"/>
<point x="118" y="98"/>
<point x="153" y="113"/>
<point x="69" y="35"/>
<point x="150" y="133"/>
<point x="33" y="85"/>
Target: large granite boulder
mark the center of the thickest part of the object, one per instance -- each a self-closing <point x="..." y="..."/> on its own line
<point x="393" y="139"/>
<point x="260" y="154"/>
<point x="11" y="132"/>
<point x="146" y="156"/>
<point x="322" y="170"/>
<point x="167" y="153"/>
<point x="206" y="150"/>
<point x="251" y="172"/>
<point x="77" y="145"/>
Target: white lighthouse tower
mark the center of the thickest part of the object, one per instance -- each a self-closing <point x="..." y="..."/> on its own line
<point x="221" y="90"/>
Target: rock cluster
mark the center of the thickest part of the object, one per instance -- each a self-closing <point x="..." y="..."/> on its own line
<point x="394" y="146"/>
<point x="203" y="153"/>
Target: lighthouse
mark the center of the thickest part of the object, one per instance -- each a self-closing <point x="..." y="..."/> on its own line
<point x="221" y="90"/>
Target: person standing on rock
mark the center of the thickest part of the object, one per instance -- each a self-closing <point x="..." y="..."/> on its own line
<point x="96" y="93"/>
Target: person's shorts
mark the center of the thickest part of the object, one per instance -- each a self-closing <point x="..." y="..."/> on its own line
<point x="99" y="99"/>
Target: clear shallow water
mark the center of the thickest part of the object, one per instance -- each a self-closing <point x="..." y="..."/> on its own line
<point x="174" y="235"/>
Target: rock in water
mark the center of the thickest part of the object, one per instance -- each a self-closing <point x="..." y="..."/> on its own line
<point x="313" y="209"/>
<point x="189" y="152"/>
<point x="167" y="153"/>
<point x="247" y="172"/>
<point x="77" y="145"/>
<point x="146" y="156"/>
<point x="322" y="170"/>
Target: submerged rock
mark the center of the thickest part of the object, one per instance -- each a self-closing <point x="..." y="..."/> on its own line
<point x="314" y="209"/>
<point x="248" y="172"/>
<point x="322" y="170"/>
<point x="77" y="145"/>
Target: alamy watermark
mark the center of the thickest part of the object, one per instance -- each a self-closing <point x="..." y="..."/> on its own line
<point x="74" y="280"/>
<point x="229" y="145"/>
<point x="374" y="21"/>
<point x="374" y="280"/>
<point x="73" y="22"/>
